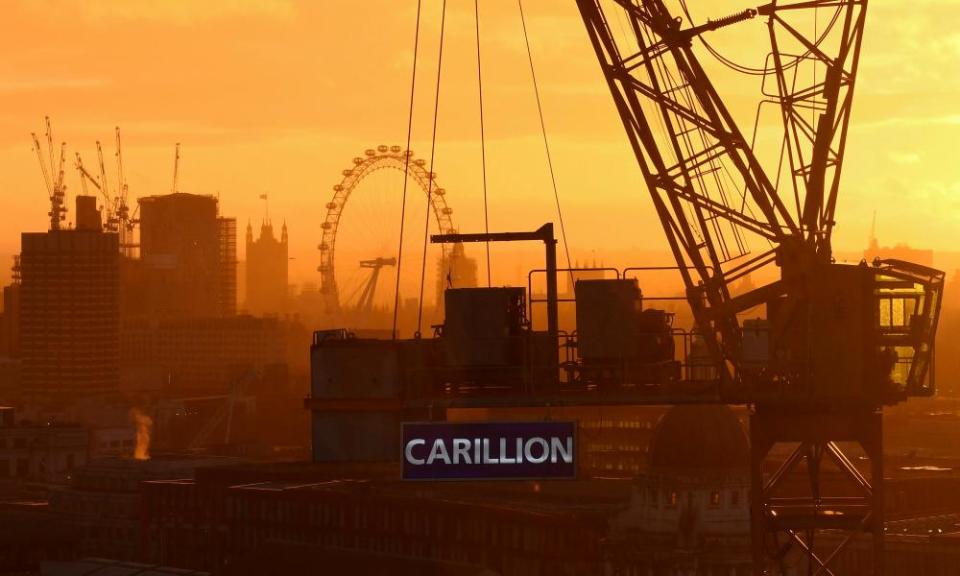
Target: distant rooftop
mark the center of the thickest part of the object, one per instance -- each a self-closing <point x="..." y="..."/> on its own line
<point x="176" y="195"/>
<point x="102" y="566"/>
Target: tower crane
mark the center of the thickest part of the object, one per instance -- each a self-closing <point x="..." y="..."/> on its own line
<point x="53" y="175"/>
<point x="838" y="352"/>
<point x="119" y="218"/>
<point x="176" y="168"/>
<point x="125" y="221"/>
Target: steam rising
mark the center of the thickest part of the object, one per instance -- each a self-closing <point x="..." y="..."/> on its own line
<point x="144" y="425"/>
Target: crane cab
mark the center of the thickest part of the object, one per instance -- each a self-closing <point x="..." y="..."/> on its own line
<point x="853" y="333"/>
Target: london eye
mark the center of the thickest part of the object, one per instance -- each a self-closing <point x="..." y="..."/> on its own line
<point x="367" y="239"/>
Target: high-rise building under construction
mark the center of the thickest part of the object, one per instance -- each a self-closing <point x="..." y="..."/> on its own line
<point x="70" y="313"/>
<point x="189" y="257"/>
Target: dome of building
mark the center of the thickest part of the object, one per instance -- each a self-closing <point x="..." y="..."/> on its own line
<point x="707" y="437"/>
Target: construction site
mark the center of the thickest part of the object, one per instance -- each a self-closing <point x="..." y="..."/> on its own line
<point x="661" y="348"/>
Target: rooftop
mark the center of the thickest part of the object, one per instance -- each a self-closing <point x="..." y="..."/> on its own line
<point x="104" y="567"/>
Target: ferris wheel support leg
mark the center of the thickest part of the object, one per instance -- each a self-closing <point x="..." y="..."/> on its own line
<point x="809" y="512"/>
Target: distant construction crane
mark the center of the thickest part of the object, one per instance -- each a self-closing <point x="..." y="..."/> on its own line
<point x="365" y="303"/>
<point x="52" y="175"/>
<point x="176" y="168"/>
<point x="119" y="219"/>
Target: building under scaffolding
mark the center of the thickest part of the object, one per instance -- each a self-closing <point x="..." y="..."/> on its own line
<point x="189" y="256"/>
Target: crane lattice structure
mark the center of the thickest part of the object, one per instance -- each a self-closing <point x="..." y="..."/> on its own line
<point x="53" y="173"/>
<point x="119" y="218"/>
<point x="836" y="356"/>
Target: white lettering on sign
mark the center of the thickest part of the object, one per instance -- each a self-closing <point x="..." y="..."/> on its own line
<point x="408" y="451"/>
<point x="536" y="450"/>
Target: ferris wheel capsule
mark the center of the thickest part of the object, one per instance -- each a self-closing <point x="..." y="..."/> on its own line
<point x="347" y="172"/>
<point x="358" y="160"/>
<point x="326" y="226"/>
<point x="440" y="191"/>
<point x="433" y="175"/>
<point x="323" y="247"/>
<point x="448" y="211"/>
<point x="370" y="152"/>
<point x="408" y="153"/>
<point x="420" y="162"/>
<point x="337" y="187"/>
<point x="331" y="205"/>
<point x="382" y="148"/>
<point x="395" y="149"/>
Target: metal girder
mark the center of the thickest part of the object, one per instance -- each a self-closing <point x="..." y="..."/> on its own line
<point x="716" y="203"/>
<point x="708" y="188"/>
<point x="815" y="93"/>
<point x="819" y="517"/>
<point x="542" y="234"/>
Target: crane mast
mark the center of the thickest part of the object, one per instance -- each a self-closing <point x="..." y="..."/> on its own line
<point x="837" y="354"/>
<point x="109" y="198"/>
<point x="176" y="168"/>
<point x="118" y="216"/>
<point x="125" y="223"/>
<point x="53" y="175"/>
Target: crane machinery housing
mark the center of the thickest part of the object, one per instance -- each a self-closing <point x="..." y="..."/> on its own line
<point x="838" y="341"/>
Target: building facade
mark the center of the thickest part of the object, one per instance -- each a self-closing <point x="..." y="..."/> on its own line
<point x="42" y="453"/>
<point x="201" y="355"/>
<point x="69" y="315"/>
<point x="188" y="253"/>
<point x="267" y="270"/>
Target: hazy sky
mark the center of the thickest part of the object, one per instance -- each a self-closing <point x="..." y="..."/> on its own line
<point x="277" y="96"/>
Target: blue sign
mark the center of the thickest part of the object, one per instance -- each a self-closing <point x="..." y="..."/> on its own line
<point x="489" y="450"/>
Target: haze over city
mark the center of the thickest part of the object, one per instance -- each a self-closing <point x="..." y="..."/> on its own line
<point x="526" y="288"/>
<point x="277" y="96"/>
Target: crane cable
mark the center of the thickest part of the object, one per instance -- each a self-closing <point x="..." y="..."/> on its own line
<point x="406" y="171"/>
<point x="433" y="148"/>
<point x="546" y="145"/>
<point x="750" y="71"/>
<point x="483" y="143"/>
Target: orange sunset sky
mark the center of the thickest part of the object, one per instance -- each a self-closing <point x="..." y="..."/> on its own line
<point x="277" y="96"/>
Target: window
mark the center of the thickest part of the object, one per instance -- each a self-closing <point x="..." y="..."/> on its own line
<point x="714" y="499"/>
<point x="735" y="498"/>
<point x="672" y="500"/>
